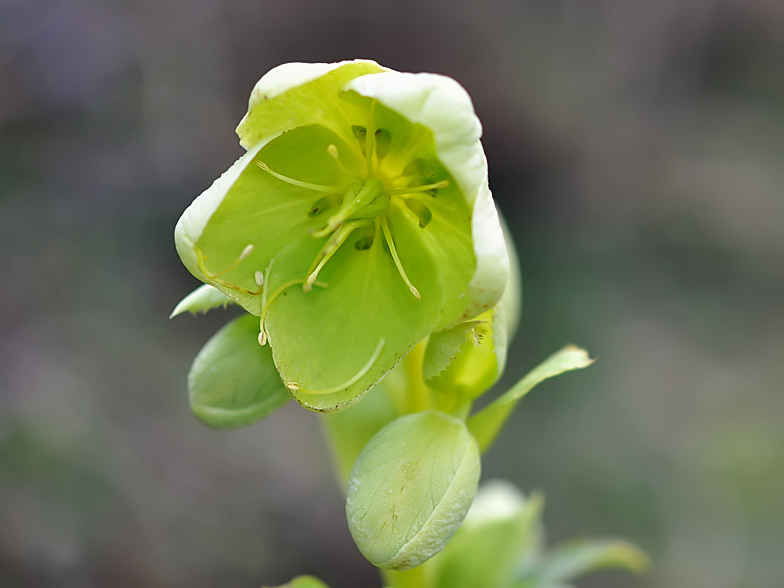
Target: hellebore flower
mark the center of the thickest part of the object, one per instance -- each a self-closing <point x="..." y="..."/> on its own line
<point x="358" y="222"/>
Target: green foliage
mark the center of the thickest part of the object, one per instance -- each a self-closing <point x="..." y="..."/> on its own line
<point x="360" y="236"/>
<point x="501" y="545"/>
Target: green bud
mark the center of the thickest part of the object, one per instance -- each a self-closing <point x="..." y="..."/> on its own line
<point x="411" y="488"/>
<point x="233" y="381"/>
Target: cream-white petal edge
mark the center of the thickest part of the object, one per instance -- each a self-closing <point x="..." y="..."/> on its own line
<point x="192" y="222"/>
<point x="284" y="77"/>
<point x="443" y="106"/>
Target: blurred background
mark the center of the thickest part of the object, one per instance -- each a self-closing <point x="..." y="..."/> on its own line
<point x="635" y="149"/>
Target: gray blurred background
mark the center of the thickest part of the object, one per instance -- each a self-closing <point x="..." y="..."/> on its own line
<point x="636" y="150"/>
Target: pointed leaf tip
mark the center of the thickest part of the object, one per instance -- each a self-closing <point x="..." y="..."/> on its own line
<point x="202" y="299"/>
<point x="487" y="423"/>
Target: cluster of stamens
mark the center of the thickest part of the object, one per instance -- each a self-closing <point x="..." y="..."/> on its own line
<point x="363" y="207"/>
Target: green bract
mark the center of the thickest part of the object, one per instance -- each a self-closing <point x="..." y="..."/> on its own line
<point x="411" y="488"/>
<point x="358" y="222"/>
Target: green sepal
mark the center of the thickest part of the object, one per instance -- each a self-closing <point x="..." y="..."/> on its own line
<point x="443" y="347"/>
<point x="578" y="558"/>
<point x="202" y="299"/>
<point x="233" y="381"/>
<point x="305" y="582"/>
<point x="477" y="361"/>
<point x="410" y="489"/>
<point x="487" y="423"/>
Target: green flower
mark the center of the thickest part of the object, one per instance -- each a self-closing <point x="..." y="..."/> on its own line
<point x="358" y="222"/>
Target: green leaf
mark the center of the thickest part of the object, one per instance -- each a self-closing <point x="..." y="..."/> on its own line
<point x="233" y="381"/>
<point x="443" y="347"/>
<point x="581" y="557"/>
<point x="487" y="423"/>
<point x="305" y="582"/>
<point x="411" y="488"/>
<point x="480" y="358"/>
<point x="202" y="299"/>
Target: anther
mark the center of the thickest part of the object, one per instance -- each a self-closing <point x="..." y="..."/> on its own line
<point x="396" y="259"/>
<point x="262" y="338"/>
<point x="247" y="251"/>
<point x="298" y="183"/>
<point x="333" y="151"/>
<point x="259" y="277"/>
<point x="293" y="386"/>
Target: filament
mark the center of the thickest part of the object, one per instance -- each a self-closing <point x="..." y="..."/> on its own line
<point x="424" y="188"/>
<point x="299" y="183"/>
<point x="294" y="387"/>
<point x="393" y="251"/>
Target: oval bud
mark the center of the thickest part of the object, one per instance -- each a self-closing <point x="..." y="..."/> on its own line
<point x="410" y="489"/>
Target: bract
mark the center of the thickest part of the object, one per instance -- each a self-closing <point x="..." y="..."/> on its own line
<point x="358" y="222"/>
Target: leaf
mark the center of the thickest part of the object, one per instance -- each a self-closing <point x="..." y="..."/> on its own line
<point x="487" y="423"/>
<point x="410" y="489"/>
<point x="202" y="299"/>
<point x="443" y="347"/>
<point x="579" y="558"/>
<point x="233" y="381"/>
<point x="480" y="361"/>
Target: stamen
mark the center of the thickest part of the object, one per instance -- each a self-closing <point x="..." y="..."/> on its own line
<point x="294" y="387"/>
<point x="217" y="277"/>
<point x="353" y="200"/>
<point x="259" y="278"/>
<point x="326" y="253"/>
<point x="393" y="251"/>
<point x="275" y="294"/>
<point x="293" y="182"/>
<point x="424" y="188"/>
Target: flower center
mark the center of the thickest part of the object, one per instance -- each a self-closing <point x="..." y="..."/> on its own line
<point x="365" y="203"/>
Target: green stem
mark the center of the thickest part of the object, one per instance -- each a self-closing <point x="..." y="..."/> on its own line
<point x="413" y="578"/>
